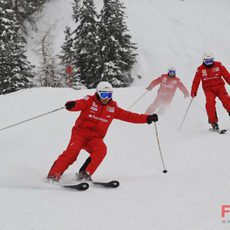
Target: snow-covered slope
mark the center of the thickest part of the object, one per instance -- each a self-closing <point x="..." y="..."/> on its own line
<point x="168" y="33"/>
<point x="188" y="197"/>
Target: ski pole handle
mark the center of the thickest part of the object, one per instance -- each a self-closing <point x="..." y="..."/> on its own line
<point x="32" y="118"/>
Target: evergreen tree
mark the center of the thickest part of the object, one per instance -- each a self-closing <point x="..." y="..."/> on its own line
<point x="100" y="46"/>
<point x="67" y="58"/>
<point x="48" y="72"/>
<point x="67" y="53"/>
<point x="116" y="49"/>
<point x="25" y="8"/>
<point x="31" y="6"/>
<point x="14" y="68"/>
<point x="76" y="10"/>
<point x="85" y="42"/>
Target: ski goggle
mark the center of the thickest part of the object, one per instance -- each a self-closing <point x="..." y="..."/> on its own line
<point x="171" y="73"/>
<point x="208" y="61"/>
<point x="104" y="95"/>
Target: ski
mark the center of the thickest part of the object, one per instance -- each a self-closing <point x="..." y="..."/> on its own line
<point x="80" y="187"/>
<point x="220" y="131"/>
<point x="110" y="184"/>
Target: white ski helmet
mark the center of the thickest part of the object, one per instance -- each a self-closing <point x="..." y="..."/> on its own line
<point x="171" y="72"/>
<point x="208" y="58"/>
<point x="104" y="86"/>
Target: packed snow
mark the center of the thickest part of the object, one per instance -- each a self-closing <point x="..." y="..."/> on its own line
<point x="189" y="196"/>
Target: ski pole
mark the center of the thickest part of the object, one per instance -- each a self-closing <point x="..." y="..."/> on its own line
<point x="41" y="115"/>
<point x="158" y="142"/>
<point x="182" y="122"/>
<point x="137" y="100"/>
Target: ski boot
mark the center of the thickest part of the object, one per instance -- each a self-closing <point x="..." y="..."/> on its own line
<point x="215" y="126"/>
<point x="83" y="175"/>
<point x="53" y="179"/>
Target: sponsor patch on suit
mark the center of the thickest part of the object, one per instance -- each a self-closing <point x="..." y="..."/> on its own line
<point x="110" y="109"/>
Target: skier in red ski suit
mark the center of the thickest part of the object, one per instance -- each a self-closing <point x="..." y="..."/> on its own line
<point x="168" y="85"/>
<point x="212" y="73"/>
<point x="97" y="113"/>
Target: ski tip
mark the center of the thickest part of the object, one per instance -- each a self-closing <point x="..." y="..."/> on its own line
<point x="223" y="131"/>
<point x="114" y="184"/>
<point x="79" y="187"/>
<point x="84" y="186"/>
<point x="110" y="184"/>
<point x="220" y="131"/>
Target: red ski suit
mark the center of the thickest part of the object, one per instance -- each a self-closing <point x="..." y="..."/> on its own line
<point x="166" y="92"/>
<point x="213" y="86"/>
<point x="89" y="131"/>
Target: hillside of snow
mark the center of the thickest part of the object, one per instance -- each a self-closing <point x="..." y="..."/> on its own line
<point x="188" y="197"/>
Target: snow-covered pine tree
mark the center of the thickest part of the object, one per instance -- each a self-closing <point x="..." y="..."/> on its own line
<point x="116" y="49"/>
<point x="14" y="68"/>
<point x="25" y="8"/>
<point x="85" y="43"/>
<point x="67" y="58"/>
<point x="31" y="6"/>
<point x="67" y="53"/>
<point x="48" y="75"/>
<point x="76" y="10"/>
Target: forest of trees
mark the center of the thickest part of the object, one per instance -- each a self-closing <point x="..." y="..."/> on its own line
<point x="15" y="70"/>
<point x="98" y="48"/>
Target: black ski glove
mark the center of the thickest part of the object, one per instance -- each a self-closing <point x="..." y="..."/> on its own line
<point x="152" y="118"/>
<point x="70" y="104"/>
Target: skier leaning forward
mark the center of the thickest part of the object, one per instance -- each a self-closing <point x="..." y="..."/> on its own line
<point x="168" y="85"/>
<point x="97" y="113"/>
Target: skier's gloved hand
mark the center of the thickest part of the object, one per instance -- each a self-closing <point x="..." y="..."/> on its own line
<point x="70" y="104"/>
<point x="193" y="94"/>
<point x="148" y="88"/>
<point x="152" y="118"/>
